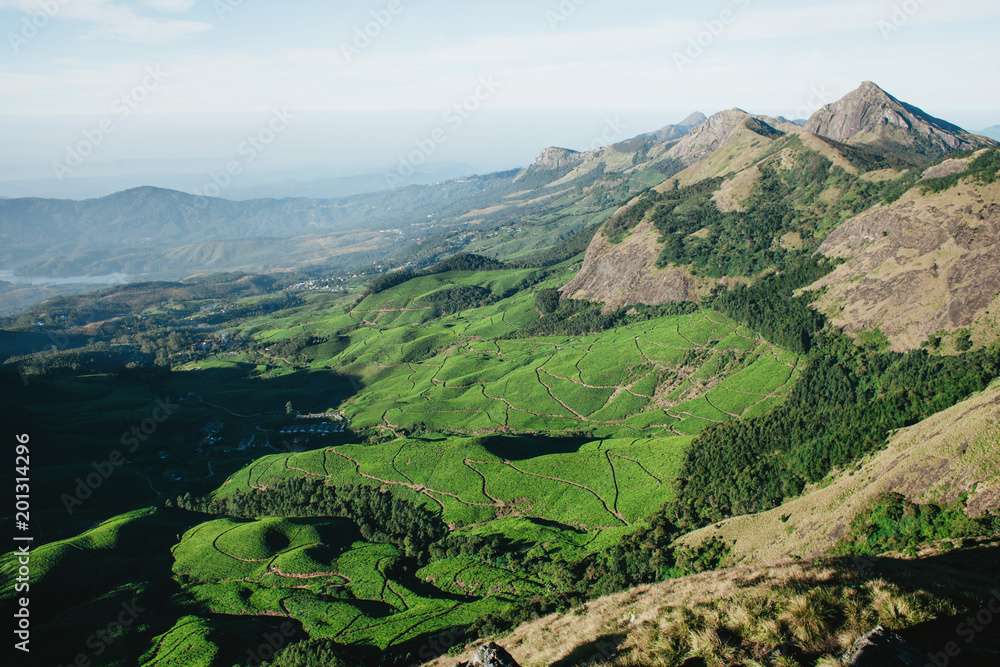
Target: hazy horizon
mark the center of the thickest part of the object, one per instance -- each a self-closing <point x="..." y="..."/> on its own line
<point x="166" y="92"/>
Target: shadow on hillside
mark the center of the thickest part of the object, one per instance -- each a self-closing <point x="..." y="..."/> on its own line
<point x="547" y="523"/>
<point x="76" y="419"/>
<point x="521" y="448"/>
<point x="967" y="574"/>
<point x="970" y="577"/>
<point x="239" y="390"/>
<point x="602" y="649"/>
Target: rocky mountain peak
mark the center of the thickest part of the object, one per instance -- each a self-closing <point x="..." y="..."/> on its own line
<point x="556" y="158"/>
<point x="696" y="118"/>
<point x="717" y="130"/>
<point x="871" y="116"/>
<point x="672" y="132"/>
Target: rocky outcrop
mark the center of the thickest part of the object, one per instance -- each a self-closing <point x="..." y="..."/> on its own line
<point x="883" y="648"/>
<point x="946" y="168"/>
<point x="625" y="274"/>
<point x="557" y="158"/>
<point x="873" y="117"/>
<point x="926" y="263"/>
<point x="490" y="655"/>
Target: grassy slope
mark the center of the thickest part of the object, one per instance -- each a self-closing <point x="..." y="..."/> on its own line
<point x="923" y="265"/>
<point x="641" y="389"/>
<point x="739" y="615"/>
<point x="953" y="453"/>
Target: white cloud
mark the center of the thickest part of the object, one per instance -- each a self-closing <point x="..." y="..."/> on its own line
<point x="115" y="20"/>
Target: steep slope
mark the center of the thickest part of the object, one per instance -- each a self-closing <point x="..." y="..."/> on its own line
<point x="930" y="262"/>
<point x="718" y="130"/>
<point x="740" y="149"/>
<point x="656" y="160"/>
<point x="625" y="274"/>
<point x="557" y="167"/>
<point x="936" y="461"/>
<point x="789" y="613"/>
<point x="873" y="117"/>
<point x="746" y="140"/>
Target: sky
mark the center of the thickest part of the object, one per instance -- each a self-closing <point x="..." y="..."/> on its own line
<point x="148" y="88"/>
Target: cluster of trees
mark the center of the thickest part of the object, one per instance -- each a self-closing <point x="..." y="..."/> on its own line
<point x="242" y="311"/>
<point x="298" y="348"/>
<point x="317" y="653"/>
<point x="985" y="169"/>
<point x="846" y="403"/>
<point x="496" y="550"/>
<point x="619" y="226"/>
<point x="893" y="523"/>
<point x="567" y="248"/>
<point x="744" y="243"/>
<point x="458" y="262"/>
<point x="770" y="307"/>
<point x="573" y="317"/>
<point x="97" y="357"/>
<point x="380" y="516"/>
<point x="736" y="243"/>
<point x="644" y="556"/>
<point x="459" y="298"/>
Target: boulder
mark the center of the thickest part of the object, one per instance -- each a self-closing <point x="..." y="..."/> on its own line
<point x="883" y="648"/>
<point x="490" y="655"/>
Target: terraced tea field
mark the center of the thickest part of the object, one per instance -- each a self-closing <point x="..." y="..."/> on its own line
<point x="468" y="372"/>
<point x="675" y="375"/>
<point x="320" y="573"/>
<point x="526" y="450"/>
<point x="605" y="484"/>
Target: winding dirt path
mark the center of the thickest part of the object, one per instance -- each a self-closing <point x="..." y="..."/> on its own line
<point x="497" y="501"/>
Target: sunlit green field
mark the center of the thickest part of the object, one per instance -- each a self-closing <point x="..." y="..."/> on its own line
<point x="555" y="446"/>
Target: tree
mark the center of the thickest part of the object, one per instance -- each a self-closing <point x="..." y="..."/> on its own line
<point x="547" y="300"/>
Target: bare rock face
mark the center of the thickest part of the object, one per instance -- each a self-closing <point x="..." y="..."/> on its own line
<point x="490" y="655"/>
<point x="625" y="274"/>
<point x="552" y="161"/>
<point x="873" y="117"/>
<point x="883" y="648"/>
<point x="921" y="265"/>
<point x="555" y="158"/>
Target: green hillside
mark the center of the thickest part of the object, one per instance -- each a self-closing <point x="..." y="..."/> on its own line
<point x="358" y="466"/>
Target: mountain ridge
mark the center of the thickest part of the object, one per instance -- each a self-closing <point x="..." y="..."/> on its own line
<point x="871" y="116"/>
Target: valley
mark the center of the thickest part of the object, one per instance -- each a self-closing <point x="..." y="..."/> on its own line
<point x="660" y="396"/>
